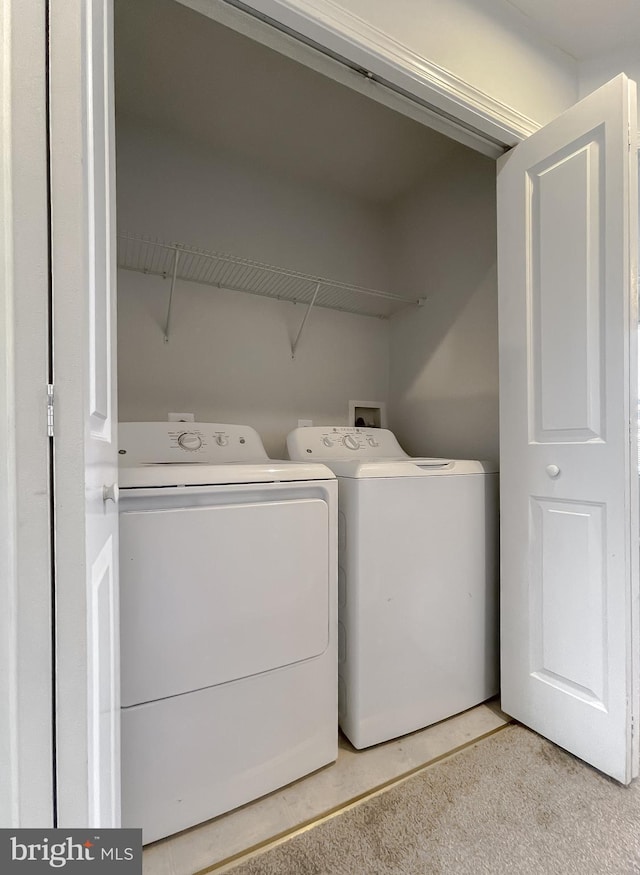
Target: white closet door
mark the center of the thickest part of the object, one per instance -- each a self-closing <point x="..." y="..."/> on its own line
<point x="85" y="440"/>
<point x="567" y="247"/>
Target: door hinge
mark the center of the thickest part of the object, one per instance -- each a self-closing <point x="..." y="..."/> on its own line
<point x="50" y="410"/>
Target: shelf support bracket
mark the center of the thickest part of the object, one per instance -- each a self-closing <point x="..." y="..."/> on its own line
<point x="176" y="261"/>
<point x="294" y="346"/>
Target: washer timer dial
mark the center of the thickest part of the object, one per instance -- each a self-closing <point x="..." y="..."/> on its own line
<point x="189" y="441"/>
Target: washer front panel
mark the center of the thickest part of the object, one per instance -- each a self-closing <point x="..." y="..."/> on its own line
<point x="419" y="609"/>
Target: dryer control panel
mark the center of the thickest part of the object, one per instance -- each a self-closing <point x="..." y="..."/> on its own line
<point x="183" y="443"/>
<point x="343" y="442"/>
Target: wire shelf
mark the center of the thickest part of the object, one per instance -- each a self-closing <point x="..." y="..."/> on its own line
<point x="183" y="262"/>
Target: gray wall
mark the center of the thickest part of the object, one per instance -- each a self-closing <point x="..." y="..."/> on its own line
<point x="229" y="357"/>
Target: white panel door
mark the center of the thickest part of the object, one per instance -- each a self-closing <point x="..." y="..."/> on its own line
<point x="85" y="441"/>
<point x="567" y="247"/>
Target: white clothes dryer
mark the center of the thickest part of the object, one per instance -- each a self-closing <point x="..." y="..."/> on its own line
<point x="417" y="581"/>
<point x="228" y="565"/>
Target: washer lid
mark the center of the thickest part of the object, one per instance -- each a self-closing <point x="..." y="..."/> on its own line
<point x="408" y="468"/>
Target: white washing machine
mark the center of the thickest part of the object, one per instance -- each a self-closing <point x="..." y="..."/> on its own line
<point x="228" y="565"/>
<point x="417" y="581"/>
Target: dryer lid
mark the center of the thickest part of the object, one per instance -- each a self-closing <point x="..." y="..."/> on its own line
<point x="271" y="471"/>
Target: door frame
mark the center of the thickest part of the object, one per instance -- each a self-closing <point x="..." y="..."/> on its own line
<point x="73" y="659"/>
<point x="26" y="599"/>
<point x="362" y="48"/>
<point x="345" y="48"/>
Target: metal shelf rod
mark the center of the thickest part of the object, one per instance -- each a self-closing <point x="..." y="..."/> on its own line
<point x="304" y="320"/>
<point x="173" y="285"/>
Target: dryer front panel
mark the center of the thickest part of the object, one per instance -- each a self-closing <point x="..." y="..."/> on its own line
<point x="217" y="593"/>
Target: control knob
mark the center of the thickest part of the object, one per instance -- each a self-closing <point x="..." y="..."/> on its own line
<point x="189" y="441"/>
<point x="222" y="440"/>
<point x="351" y="442"/>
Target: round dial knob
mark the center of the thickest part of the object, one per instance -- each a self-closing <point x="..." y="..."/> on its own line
<point x="189" y="441"/>
<point x="222" y="440"/>
<point x="326" y="441"/>
<point x="351" y="442"/>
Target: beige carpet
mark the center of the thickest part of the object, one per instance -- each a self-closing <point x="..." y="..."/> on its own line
<point x="513" y="803"/>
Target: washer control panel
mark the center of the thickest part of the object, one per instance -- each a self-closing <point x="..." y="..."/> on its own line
<point x="181" y="443"/>
<point x="343" y="442"/>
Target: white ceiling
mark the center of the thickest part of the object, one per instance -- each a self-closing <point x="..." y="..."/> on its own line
<point x="584" y="28"/>
<point x="182" y="72"/>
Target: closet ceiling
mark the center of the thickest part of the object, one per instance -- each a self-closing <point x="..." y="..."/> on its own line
<point x="182" y="72"/>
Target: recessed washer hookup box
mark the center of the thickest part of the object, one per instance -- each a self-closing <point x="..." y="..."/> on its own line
<point x="108" y="851"/>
